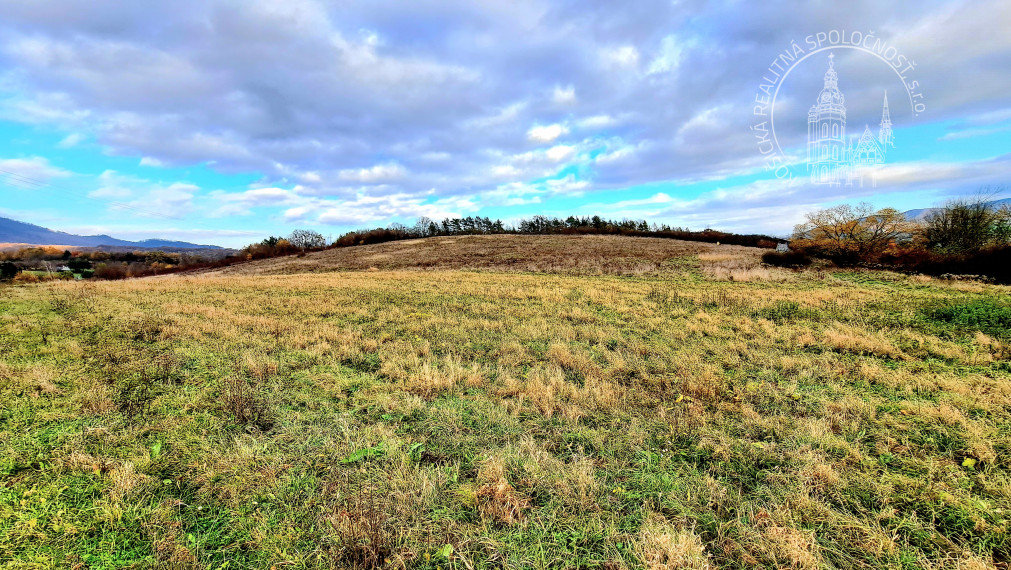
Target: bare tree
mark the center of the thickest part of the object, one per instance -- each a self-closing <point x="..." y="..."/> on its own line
<point x="422" y="227"/>
<point x="845" y="231"/>
<point x="306" y="239"/>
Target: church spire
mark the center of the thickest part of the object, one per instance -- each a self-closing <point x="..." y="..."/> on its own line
<point x="831" y="77"/>
<point x="885" y="132"/>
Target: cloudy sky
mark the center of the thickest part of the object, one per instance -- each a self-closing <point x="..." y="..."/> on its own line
<point x="226" y="121"/>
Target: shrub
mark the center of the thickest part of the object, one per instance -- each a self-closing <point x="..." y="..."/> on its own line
<point x="786" y="311"/>
<point x="968" y="224"/>
<point x="107" y="271"/>
<point x="994" y="262"/>
<point x="246" y="404"/>
<point x="79" y="264"/>
<point x="363" y="535"/>
<point x="133" y="395"/>
<point x="8" y="270"/>
<point x="786" y="258"/>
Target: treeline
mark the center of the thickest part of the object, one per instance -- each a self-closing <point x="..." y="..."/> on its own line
<point x="33" y="264"/>
<point x="40" y="263"/>
<point x="966" y="236"/>
<point x="540" y="225"/>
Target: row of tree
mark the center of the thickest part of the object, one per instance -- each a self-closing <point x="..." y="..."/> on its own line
<point x="965" y="235"/>
<point x="476" y="225"/>
<point x="64" y="263"/>
<point x="961" y="226"/>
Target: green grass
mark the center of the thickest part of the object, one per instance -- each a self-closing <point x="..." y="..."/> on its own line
<point x="985" y="315"/>
<point x="459" y="420"/>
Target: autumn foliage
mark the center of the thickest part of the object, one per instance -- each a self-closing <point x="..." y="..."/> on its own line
<point x="969" y="236"/>
<point x="849" y="234"/>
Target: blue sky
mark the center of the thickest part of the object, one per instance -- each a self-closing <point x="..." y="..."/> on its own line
<point x="224" y="121"/>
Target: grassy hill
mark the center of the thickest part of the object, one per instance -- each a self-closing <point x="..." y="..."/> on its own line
<point x="571" y="254"/>
<point x="596" y="402"/>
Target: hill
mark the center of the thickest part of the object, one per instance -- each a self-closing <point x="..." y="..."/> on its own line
<point x="569" y="254"/>
<point x="921" y="214"/>
<point x="13" y="231"/>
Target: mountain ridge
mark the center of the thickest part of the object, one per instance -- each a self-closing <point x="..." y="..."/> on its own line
<point x="920" y="214"/>
<point x="14" y="231"/>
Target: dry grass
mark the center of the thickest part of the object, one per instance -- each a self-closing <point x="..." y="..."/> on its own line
<point x="739" y="264"/>
<point x="583" y="255"/>
<point x="599" y="415"/>
<point x="661" y="546"/>
<point x="497" y="500"/>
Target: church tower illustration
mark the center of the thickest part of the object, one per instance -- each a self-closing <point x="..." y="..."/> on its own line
<point x="832" y="158"/>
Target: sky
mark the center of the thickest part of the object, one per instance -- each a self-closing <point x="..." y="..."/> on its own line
<point x="225" y="121"/>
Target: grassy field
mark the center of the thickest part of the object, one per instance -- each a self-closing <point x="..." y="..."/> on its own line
<point x="638" y="403"/>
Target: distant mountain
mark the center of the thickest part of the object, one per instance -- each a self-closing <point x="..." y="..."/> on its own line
<point x="13" y="231"/>
<point x="921" y="214"/>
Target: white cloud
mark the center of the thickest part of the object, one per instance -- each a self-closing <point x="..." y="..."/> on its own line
<point x="31" y="172"/>
<point x="172" y="201"/>
<point x="505" y="171"/>
<point x="242" y="203"/>
<point x="298" y="213"/>
<point x="374" y="174"/>
<point x="560" y="152"/>
<point x="620" y="56"/>
<point x="114" y="185"/>
<point x="597" y="122"/>
<point x="370" y="209"/>
<point x="71" y="140"/>
<point x="547" y="133"/>
<point x="972" y="133"/>
<point x="564" y="95"/>
<point x="669" y="56"/>
<point x="616" y="155"/>
<point x="359" y="102"/>
<point x="567" y="185"/>
<point x="46" y="108"/>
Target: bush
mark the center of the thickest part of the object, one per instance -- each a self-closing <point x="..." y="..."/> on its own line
<point x="8" y="270"/>
<point x="994" y="262"/>
<point x="366" y="237"/>
<point x="107" y="271"/>
<point x="786" y="311"/>
<point x="133" y="394"/>
<point x="79" y="264"/>
<point x="786" y="259"/>
<point x="246" y="403"/>
<point x="968" y="224"/>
